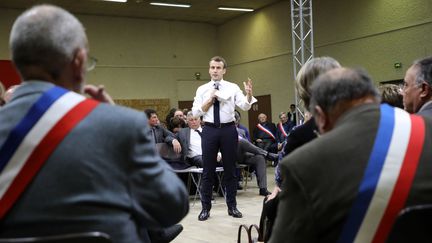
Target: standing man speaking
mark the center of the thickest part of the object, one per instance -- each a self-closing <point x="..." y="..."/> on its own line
<point x="216" y="101"/>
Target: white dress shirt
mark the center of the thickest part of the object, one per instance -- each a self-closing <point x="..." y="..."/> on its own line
<point x="231" y="95"/>
<point x="194" y="143"/>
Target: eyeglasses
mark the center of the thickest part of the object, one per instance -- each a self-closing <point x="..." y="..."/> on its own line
<point x="90" y="63"/>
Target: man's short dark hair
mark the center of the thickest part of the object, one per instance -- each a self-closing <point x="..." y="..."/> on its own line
<point x="219" y="59"/>
<point x="149" y="112"/>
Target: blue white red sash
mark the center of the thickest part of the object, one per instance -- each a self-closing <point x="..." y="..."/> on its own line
<point x="35" y="137"/>
<point x="282" y="130"/>
<point x="262" y="128"/>
<point x="388" y="177"/>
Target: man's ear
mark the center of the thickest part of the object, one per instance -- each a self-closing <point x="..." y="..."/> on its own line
<point x="321" y="119"/>
<point x="78" y="66"/>
<point x="425" y="90"/>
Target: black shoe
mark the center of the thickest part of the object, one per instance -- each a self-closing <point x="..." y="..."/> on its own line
<point x="235" y="213"/>
<point x="272" y="156"/>
<point x="166" y="234"/>
<point x="264" y="192"/>
<point x="204" y="215"/>
<point x="239" y="187"/>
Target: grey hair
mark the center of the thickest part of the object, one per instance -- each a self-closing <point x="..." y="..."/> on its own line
<point x="46" y="36"/>
<point x="341" y="85"/>
<point x="309" y="72"/>
<point x="424" y="71"/>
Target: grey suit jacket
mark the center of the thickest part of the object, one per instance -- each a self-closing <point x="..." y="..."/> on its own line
<point x="183" y="136"/>
<point x="426" y="109"/>
<point x="104" y="176"/>
<point x="163" y="135"/>
<point x="321" y="178"/>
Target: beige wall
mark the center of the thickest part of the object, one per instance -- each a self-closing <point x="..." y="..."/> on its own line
<point x="373" y="34"/>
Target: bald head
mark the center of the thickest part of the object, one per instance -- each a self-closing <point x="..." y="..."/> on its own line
<point x="44" y="40"/>
<point x="262" y="118"/>
<point x="339" y="90"/>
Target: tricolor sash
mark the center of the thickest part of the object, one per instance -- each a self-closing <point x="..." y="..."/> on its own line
<point x="262" y="128"/>
<point x="282" y="129"/>
<point x="36" y="136"/>
<point x="388" y="177"/>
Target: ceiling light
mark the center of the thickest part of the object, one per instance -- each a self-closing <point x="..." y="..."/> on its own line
<point x="236" y="9"/>
<point x="171" y="5"/>
<point x="119" y="1"/>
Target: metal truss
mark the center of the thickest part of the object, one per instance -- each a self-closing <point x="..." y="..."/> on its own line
<point x="302" y="39"/>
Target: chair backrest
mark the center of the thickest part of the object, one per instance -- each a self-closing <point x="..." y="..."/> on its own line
<point x="167" y="152"/>
<point x="412" y="225"/>
<point x="86" y="237"/>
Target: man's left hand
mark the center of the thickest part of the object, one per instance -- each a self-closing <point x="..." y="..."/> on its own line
<point x="98" y="93"/>
<point x="176" y="146"/>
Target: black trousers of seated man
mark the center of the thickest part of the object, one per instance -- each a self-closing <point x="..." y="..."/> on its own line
<point x="268" y="144"/>
<point x="225" y="140"/>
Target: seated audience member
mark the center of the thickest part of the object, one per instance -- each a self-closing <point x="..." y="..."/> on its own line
<point x="283" y="129"/>
<point x="174" y="112"/>
<point x="292" y="115"/>
<point x="240" y="128"/>
<point x="190" y="140"/>
<point x="417" y="89"/>
<point x="169" y="116"/>
<point x="391" y="94"/>
<point x="96" y="172"/>
<point x="176" y="124"/>
<point x="298" y="136"/>
<point x="179" y="114"/>
<point x="265" y="134"/>
<point x="367" y="168"/>
<point x="159" y="133"/>
<point x="248" y="153"/>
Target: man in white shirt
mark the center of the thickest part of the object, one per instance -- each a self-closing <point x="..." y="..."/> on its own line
<point x="215" y="101"/>
<point x="190" y="140"/>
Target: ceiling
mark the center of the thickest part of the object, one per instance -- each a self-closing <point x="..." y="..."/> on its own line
<point x="204" y="11"/>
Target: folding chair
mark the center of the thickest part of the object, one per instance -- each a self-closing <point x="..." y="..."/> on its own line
<point x="197" y="181"/>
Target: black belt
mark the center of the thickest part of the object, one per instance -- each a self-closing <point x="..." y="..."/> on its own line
<point x="220" y="125"/>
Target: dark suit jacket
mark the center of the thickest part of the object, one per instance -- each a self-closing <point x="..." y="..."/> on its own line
<point x="260" y="134"/>
<point x="300" y="135"/>
<point x="105" y="176"/>
<point x="426" y="110"/>
<point x="322" y="178"/>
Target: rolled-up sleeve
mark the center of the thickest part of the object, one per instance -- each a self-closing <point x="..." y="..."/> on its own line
<point x="241" y="100"/>
<point x="198" y="102"/>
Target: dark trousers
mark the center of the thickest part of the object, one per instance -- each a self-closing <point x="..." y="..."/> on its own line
<point x="214" y="139"/>
<point x="268" y="216"/>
